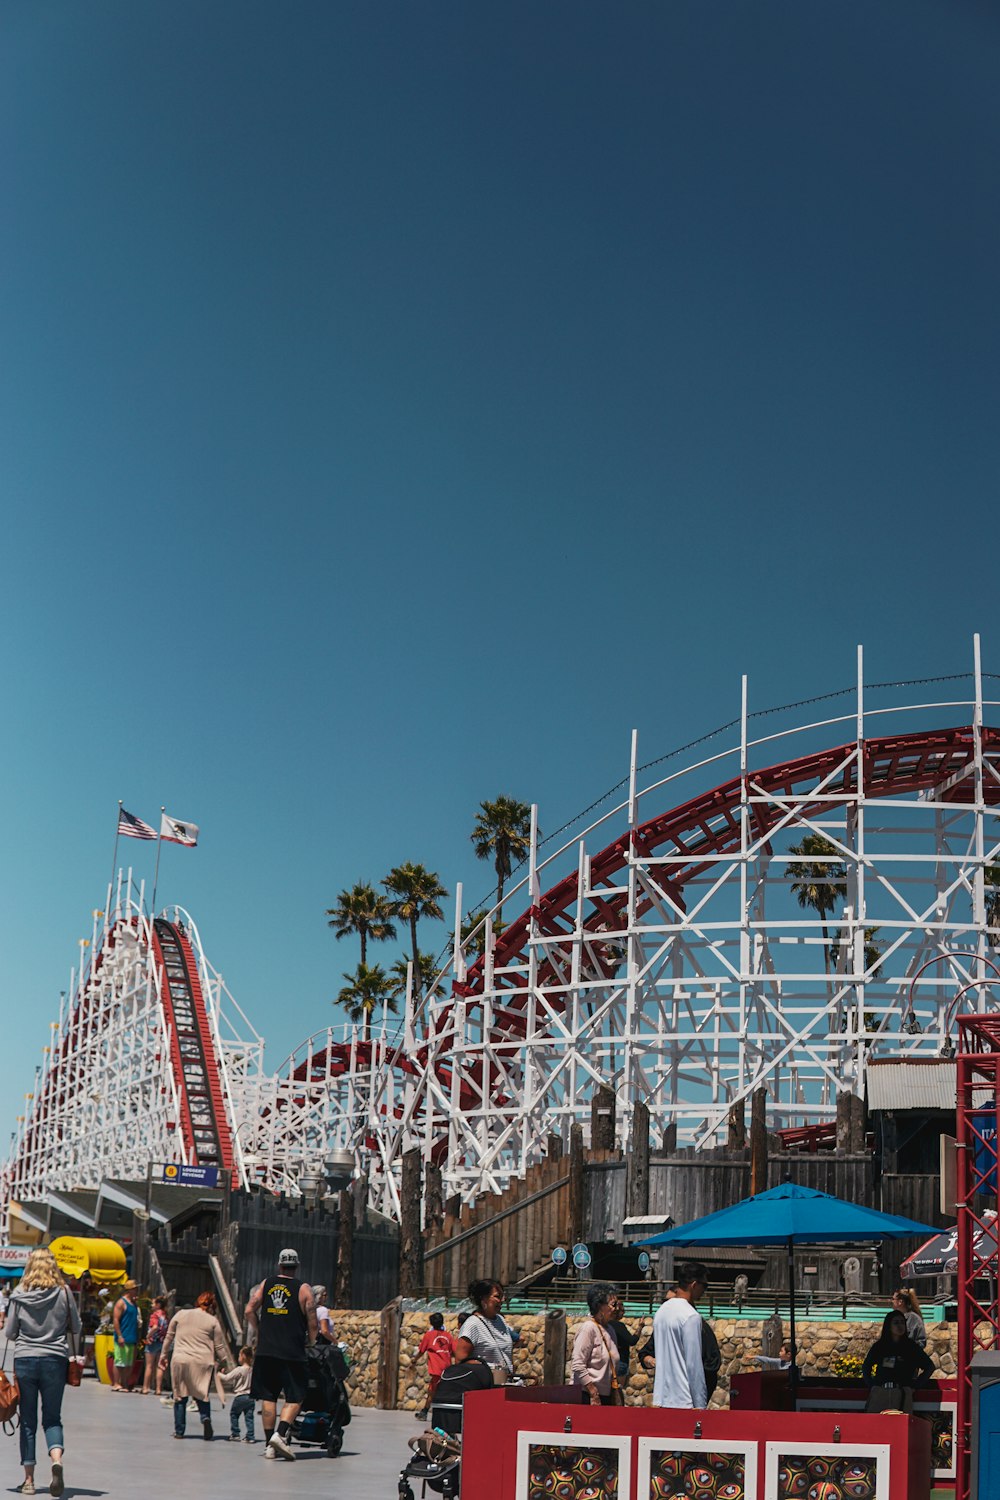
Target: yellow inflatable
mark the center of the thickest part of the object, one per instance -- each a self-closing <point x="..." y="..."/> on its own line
<point x="104" y="1260"/>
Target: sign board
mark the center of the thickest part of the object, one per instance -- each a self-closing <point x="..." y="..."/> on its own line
<point x="558" y="1256"/>
<point x="14" y="1257"/>
<point x="949" y="1176"/>
<point x="581" y="1257"/>
<point x="643" y="1260"/>
<point x="179" y="1176"/>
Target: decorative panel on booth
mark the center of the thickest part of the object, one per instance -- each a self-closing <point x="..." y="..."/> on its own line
<point x="671" y="1470"/>
<point x="854" y="1471"/>
<point x="569" y="1466"/>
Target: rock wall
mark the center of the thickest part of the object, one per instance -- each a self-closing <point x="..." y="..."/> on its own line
<point x="820" y="1344"/>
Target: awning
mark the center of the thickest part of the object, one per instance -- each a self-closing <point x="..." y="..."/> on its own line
<point x="103" y="1260"/>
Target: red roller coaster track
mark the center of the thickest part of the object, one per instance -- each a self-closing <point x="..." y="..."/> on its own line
<point x="709" y="824"/>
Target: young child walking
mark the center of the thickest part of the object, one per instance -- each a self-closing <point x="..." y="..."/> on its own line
<point x="238" y="1381"/>
<point x="439" y="1346"/>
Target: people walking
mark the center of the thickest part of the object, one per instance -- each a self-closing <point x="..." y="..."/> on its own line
<point x="41" y="1319"/>
<point x="595" y="1353"/>
<point x="282" y="1312"/>
<point x="156" y="1332"/>
<point x="439" y="1347"/>
<point x="125" y="1318"/>
<point x="324" y="1322"/>
<point x="238" y="1381"/>
<point x="488" y="1331"/>
<point x="193" y="1347"/>
<point x="677" y="1343"/>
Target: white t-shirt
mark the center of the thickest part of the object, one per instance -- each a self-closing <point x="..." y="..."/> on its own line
<point x="323" y="1316"/>
<point x="680" y="1374"/>
<point x="492" y="1339"/>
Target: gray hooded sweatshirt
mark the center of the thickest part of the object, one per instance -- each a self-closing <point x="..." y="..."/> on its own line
<point x="37" y="1322"/>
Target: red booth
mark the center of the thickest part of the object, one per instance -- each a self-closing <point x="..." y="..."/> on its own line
<point x="527" y="1443"/>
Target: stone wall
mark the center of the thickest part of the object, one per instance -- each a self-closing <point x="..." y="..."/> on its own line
<point x="820" y="1344"/>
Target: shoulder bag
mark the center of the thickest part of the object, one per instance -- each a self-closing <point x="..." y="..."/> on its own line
<point x="617" y="1395"/>
<point x="74" y="1369"/>
<point x="10" y="1395"/>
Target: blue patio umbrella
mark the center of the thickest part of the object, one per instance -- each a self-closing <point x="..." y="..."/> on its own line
<point x="791" y="1215"/>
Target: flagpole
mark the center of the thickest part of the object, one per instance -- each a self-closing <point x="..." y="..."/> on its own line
<point x="114" y="857"/>
<point x="156" y="873"/>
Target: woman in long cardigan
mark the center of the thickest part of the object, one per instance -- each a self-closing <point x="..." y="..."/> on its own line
<point x="194" y="1340"/>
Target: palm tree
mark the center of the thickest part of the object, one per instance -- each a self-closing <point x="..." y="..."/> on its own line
<point x="502" y="833"/>
<point x="821" y="883"/>
<point x="366" y="989"/>
<point x="423" y="977"/>
<point x="363" y="910"/>
<point x="414" y="892"/>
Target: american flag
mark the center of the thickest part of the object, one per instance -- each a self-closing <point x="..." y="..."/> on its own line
<point x="133" y="827"/>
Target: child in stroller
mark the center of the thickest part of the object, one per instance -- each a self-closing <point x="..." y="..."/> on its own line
<point x="437" y="1455"/>
<point x="325" y="1411"/>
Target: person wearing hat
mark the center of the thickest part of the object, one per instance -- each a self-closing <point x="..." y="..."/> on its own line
<point x="283" y="1313"/>
<point x="126" y="1321"/>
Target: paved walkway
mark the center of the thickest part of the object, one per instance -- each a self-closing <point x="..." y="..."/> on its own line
<point x="124" y="1446"/>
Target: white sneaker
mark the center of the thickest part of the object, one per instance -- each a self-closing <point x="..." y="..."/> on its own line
<point x="268" y="1453"/>
<point x="281" y="1445"/>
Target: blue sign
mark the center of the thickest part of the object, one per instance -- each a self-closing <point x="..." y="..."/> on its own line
<point x="581" y="1257"/>
<point x="643" y="1260"/>
<point x="559" y="1256"/>
<point x="178" y="1176"/>
<point x="984" y="1145"/>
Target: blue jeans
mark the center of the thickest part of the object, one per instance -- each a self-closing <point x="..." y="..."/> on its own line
<point x="180" y="1414"/>
<point x="42" y="1376"/>
<point x="243" y="1406"/>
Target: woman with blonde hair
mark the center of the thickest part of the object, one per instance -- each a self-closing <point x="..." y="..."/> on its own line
<point x="41" y="1316"/>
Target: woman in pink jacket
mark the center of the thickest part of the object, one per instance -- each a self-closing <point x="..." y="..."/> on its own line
<point x="595" y="1353"/>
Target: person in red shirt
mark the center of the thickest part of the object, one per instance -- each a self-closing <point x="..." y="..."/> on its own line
<point x="439" y="1346"/>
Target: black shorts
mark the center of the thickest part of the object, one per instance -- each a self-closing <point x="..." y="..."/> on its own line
<point x="273" y="1377"/>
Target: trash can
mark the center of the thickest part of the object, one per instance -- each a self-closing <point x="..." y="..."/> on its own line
<point x="985" y="1455"/>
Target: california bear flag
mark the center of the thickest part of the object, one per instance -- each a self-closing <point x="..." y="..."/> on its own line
<point x="176" y="832"/>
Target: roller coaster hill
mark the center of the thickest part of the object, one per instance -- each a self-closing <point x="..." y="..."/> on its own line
<point x="658" y="953"/>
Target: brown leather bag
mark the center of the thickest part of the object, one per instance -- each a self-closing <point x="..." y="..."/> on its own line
<point x="10" y="1395"/>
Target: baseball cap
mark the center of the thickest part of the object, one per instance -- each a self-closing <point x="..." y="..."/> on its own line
<point x="288" y="1258"/>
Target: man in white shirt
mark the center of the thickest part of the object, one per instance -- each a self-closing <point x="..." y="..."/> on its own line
<point x="680" y="1374"/>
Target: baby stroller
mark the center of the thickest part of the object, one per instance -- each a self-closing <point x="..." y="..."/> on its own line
<point x="436" y="1463"/>
<point x="325" y="1411"/>
<point x="437" y="1455"/>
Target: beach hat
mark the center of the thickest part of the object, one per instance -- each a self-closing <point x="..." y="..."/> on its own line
<point x="131" y="1286"/>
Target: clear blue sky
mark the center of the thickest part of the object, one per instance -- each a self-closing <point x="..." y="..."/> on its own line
<point x="400" y="402"/>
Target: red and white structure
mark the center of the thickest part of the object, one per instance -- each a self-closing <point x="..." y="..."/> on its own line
<point x="661" y="949"/>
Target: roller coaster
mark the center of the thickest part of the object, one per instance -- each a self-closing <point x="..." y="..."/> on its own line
<point x="798" y="898"/>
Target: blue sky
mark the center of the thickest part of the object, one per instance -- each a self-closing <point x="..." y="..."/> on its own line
<point x="399" y="403"/>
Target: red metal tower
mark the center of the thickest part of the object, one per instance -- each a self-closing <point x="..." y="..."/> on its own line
<point x="978" y="1084"/>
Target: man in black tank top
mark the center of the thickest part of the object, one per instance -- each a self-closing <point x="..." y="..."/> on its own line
<point x="283" y="1312"/>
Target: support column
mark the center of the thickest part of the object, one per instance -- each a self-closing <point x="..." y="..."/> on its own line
<point x="758" y="1141"/>
<point x="575" y="1226"/>
<point x="736" y="1131"/>
<point x="344" y="1290"/>
<point x="602" y="1119"/>
<point x="411" y="1247"/>
<point x="637" y="1185"/>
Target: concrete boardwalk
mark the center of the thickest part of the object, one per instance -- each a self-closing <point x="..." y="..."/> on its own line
<point x="124" y="1446"/>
